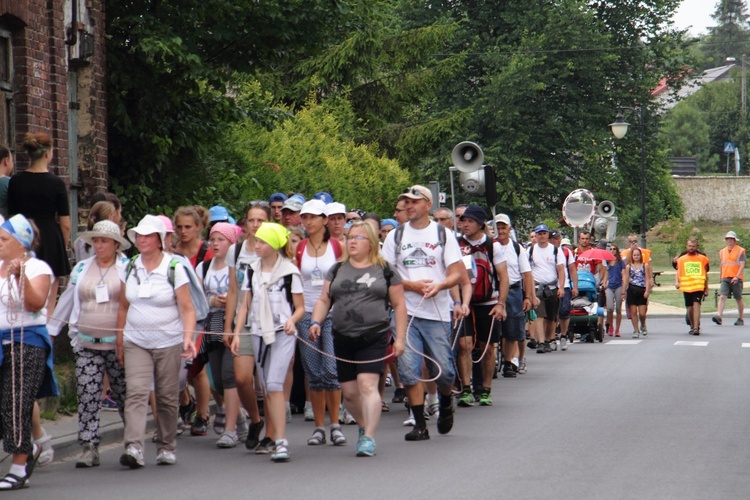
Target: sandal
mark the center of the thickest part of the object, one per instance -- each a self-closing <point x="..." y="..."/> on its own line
<point x="337" y="437"/>
<point x="318" y="437"/>
<point x="32" y="459"/>
<point x="384" y="407"/>
<point x="14" y="482"/>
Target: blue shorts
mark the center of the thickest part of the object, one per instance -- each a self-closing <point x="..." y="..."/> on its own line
<point x="433" y="339"/>
<point x="513" y="328"/>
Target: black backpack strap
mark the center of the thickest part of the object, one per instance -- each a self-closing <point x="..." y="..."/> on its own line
<point x="202" y="252"/>
<point x="334" y="271"/>
<point x="441" y="235"/>
<point x="129" y="269"/>
<point x="288" y="287"/>
<point x="237" y="250"/>
<point x="249" y="277"/>
<point x="517" y="247"/>
<point x="397" y="238"/>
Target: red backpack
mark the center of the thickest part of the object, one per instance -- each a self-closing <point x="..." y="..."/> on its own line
<point x="336" y="244"/>
<point x="485" y="281"/>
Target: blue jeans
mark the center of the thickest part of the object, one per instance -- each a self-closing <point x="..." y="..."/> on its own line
<point x="432" y="338"/>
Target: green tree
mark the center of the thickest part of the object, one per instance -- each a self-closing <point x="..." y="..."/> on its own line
<point x="730" y="38"/>
<point x="686" y="133"/>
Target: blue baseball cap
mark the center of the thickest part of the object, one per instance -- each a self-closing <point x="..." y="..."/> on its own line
<point x="541" y="228"/>
<point x="388" y="222"/>
<point x="218" y="214"/>
<point x="324" y="197"/>
<point x="277" y="197"/>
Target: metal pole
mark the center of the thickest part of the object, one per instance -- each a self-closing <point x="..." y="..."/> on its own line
<point x="643" y="180"/>
<point x="744" y="91"/>
<point x="453" y="198"/>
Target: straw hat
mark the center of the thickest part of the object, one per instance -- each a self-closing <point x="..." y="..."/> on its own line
<point x="105" y="229"/>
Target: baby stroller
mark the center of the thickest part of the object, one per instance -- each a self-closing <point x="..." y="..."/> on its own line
<point x="584" y="310"/>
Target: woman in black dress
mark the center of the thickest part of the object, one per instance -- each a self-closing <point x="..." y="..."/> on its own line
<point x="40" y="195"/>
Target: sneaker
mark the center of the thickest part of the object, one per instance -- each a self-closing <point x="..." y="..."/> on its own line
<point x="398" y="395"/>
<point x="241" y="428"/>
<point x="253" y="436"/>
<point x="309" y="415"/>
<point x="108" y="404"/>
<point x="445" y="420"/>
<point x="133" y="458"/>
<point x="531" y="344"/>
<point x="617" y="333"/>
<point x="564" y="343"/>
<point x="288" y="414"/>
<point x="509" y="370"/>
<point x="466" y="400"/>
<point x="485" y="399"/>
<point x="540" y="348"/>
<point x="155" y="436"/>
<point x="187" y="410"/>
<point x="636" y="335"/>
<point x="220" y="420"/>
<point x="348" y="418"/>
<point x="717" y="320"/>
<point x="166" y="457"/>
<point x="610" y="330"/>
<point x="89" y="457"/>
<point x="547" y="347"/>
<point x="199" y="427"/>
<point x="739" y="322"/>
<point x="522" y="366"/>
<point x="431" y="409"/>
<point x="644" y="332"/>
<point x="552" y="345"/>
<point x="180" y="428"/>
<point x="281" y="452"/>
<point x="266" y="446"/>
<point x="410" y="422"/>
<point x="388" y="380"/>
<point x="417" y="434"/>
<point x="366" y="447"/>
<point x="227" y="440"/>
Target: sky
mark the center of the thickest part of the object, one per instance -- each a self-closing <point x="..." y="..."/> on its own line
<point x="695" y="13"/>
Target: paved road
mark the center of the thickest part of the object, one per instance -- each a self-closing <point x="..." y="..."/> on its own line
<point x="615" y="420"/>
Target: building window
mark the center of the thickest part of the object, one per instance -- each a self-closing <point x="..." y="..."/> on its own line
<point x="6" y="89"/>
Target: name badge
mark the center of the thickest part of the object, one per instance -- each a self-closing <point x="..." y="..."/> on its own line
<point x="317" y="277"/>
<point x="102" y="294"/>
<point x="144" y="291"/>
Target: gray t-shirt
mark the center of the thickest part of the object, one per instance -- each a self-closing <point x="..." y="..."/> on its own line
<point x="360" y="298"/>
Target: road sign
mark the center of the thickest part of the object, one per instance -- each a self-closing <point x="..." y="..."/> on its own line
<point x="729" y="147"/>
<point x="442" y="198"/>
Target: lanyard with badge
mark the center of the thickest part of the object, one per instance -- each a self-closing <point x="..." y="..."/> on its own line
<point x="101" y="290"/>
<point x="316" y="275"/>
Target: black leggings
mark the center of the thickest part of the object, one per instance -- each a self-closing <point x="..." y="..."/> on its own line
<point x="34" y="364"/>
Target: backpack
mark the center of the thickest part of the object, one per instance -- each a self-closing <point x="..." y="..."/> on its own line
<point x="336" y="244"/>
<point x="387" y="274"/>
<point x="485" y="281"/>
<point x="202" y="251"/>
<point x="197" y="295"/>
<point x="287" y="286"/>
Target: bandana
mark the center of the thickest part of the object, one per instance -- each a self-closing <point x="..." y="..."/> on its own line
<point x="274" y="234"/>
<point x="226" y="229"/>
<point x="18" y="227"/>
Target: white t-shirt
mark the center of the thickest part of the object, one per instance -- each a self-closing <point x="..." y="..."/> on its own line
<point x="215" y="282"/>
<point x="517" y="263"/>
<point x="419" y="258"/>
<point x="498" y="257"/>
<point x="280" y="307"/>
<point x="544" y="264"/>
<point x="153" y="320"/>
<point x="571" y="259"/>
<point x="244" y="260"/>
<point x="312" y="266"/>
<point x="34" y="267"/>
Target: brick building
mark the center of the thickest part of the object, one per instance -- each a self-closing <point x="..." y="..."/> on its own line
<point x="52" y="79"/>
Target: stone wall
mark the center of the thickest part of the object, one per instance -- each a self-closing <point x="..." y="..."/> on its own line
<point x="714" y="198"/>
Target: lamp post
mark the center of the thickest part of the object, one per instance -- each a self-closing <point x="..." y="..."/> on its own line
<point x="619" y="129"/>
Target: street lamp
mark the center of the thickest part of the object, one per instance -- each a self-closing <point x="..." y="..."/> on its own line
<point x="619" y="128"/>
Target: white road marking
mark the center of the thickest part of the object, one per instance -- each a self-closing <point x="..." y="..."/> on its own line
<point x="692" y="343"/>
<point x="746" y="344"/>
<point x="623" y="342"/>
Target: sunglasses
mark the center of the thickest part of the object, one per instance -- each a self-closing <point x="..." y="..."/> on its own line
<point x="416" y="192"/>
<point x="257" y="203"/>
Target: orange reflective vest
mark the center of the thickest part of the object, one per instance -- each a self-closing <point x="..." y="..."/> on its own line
<point x="731" y="262"/>
<point x="691" y="271"/>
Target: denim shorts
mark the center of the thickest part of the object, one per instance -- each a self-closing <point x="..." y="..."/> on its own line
<point x="514" y="325"/>
<point x="320" y="369"/>
<point x="433" y="339"/>
<point x="564" y="311"/>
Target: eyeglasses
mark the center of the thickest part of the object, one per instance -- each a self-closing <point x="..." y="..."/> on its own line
<point x="442" y="219"/>
<point x="257" y="203"/>
<point x="357" y="237"/>
<point x="632" y="241"/>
